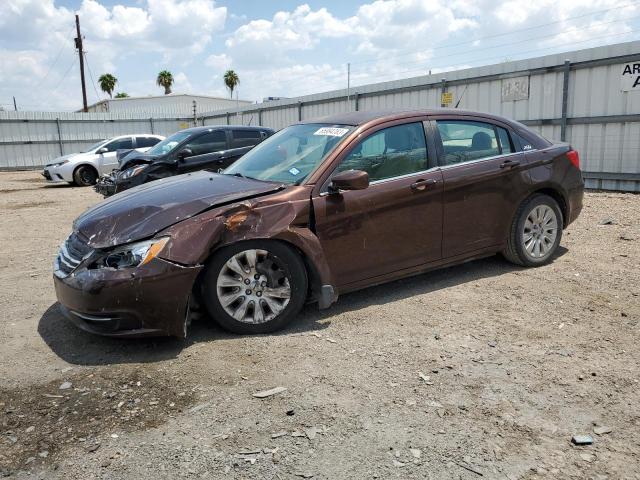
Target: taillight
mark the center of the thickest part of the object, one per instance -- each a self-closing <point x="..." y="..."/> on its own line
<point x="574" y="158"/>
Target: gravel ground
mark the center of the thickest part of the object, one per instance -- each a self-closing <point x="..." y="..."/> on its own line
<point x="480" y="370"/>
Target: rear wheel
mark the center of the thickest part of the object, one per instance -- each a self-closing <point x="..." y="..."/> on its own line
<point x="535" y="232"/>
<point x="254" y="287"/>
<point x="85" y="176"/>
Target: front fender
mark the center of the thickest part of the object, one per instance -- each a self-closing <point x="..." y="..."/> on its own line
<point x="193" y="241"/>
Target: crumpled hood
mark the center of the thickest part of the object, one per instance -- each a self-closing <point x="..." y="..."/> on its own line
<point x="145" y="210"/>
<point x="136" y="155"/>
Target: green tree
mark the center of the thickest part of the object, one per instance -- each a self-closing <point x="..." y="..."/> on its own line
<point x="121" y="95"/>
<point x="107" y="83"/>
<point x="231" y="80"/>
<point x="165" y="79"/>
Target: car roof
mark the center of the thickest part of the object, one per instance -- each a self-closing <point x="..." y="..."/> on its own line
<point x="208" y="128"/>
<point x="362" y="117"/>
<point x="135" y="135"/>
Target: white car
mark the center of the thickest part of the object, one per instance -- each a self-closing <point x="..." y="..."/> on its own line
<point x="84" y="168"/>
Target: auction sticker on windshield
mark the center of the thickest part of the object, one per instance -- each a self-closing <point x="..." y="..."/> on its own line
<point x="331" y="131"/>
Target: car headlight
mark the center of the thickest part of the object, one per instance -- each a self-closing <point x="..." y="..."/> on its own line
<point x="132" y="255"/>
<point x="133" y="171"/>
<point x="57" y="164"/>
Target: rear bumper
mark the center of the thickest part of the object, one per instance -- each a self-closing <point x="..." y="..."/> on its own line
<point x="575" y="196"/>
<point x="148" y="301"/>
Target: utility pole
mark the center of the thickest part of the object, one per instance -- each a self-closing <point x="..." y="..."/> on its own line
<point x="81" y="53"/>
<point x="15" y="105"/>
<point x="195" y="117"/>
<point x="348" y="84"/>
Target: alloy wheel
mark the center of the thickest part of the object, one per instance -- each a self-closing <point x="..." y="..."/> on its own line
<point x="540" y="231"/>
<point x="253" y="287"/>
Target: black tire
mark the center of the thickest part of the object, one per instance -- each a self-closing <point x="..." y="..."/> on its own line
<point x="289" y="264"/>
<point x="85" y="176"/>
<point x="516" y="251"/>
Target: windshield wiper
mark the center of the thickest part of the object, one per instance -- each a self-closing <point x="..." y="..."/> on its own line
<point x="238" y="174"/>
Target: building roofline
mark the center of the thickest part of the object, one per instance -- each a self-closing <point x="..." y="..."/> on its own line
<point x="147" y="97"/>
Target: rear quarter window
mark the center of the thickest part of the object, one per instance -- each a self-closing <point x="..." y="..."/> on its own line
<point x="142" y="142"/>
<point x="245" y="138"/>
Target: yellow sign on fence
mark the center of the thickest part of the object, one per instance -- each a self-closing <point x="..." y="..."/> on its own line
<point x="446" y="99"/>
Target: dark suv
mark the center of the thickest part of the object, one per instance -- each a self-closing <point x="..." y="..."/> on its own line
<point x="200" y="148"/>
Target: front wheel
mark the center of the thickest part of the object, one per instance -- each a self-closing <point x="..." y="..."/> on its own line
<point x="254" y="287"/>
<point x="535" y="232"/>
<point x="85" y="176"/>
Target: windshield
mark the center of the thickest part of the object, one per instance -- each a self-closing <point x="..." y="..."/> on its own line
<point x="95" y="146"/>
<point x="168" y="144"/>
<point x="290" y="155"/>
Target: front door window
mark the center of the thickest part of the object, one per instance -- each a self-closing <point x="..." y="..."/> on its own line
<point x="388" y="153"/>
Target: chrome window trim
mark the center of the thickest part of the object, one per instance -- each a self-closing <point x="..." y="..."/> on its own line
<point x="399" y="177"/>
<point x="478" y="160"/>
<point x="385" y="180"/>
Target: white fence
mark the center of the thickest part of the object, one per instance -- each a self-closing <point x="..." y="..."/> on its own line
<point x="583" y="97"/>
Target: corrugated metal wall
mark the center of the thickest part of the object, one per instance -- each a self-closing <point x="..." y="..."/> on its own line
<point x="592" y="113"/>
<point x="31" y="139"/>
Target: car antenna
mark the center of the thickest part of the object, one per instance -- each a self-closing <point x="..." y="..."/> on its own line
<point x="460" y="99"/>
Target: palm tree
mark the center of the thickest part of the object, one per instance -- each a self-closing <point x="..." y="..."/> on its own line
<point x="107" y="83"/>
<point x="122" y="95"/>
<point x="231" y="80"/>
<point x="165" y="79"/>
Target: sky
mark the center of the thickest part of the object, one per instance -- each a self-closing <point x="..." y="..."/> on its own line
<point x="280" y="48"/>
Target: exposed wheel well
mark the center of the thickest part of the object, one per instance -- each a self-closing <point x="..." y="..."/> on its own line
<point x="557" y="196"/>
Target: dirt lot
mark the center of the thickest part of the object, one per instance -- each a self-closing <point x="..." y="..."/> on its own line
<point x="478" y="371"/>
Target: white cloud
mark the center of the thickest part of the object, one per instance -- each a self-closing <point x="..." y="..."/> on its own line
<point x="182" y="83"/>
<point x="38" y="38"/>
<point x="303" y="50"/>
<point x="218" y="62"/>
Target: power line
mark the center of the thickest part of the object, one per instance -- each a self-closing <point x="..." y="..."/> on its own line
<point x="469" y="42"/>
<point x="55" y="60"/>
<point x="373" y="78"/>
<point x="370" y="79"/>
<point x="93" y="82"/>
<point x="502" y="56"/>
<point x="526" y="40"/>
<point x="65" y="74"/>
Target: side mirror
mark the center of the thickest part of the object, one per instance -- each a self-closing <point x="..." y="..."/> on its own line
<point x="103" y="150"/>
<point x="349" y="180"/>
<point x="184" y="153"/>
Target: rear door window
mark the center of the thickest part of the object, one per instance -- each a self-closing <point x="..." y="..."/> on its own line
<point x="465" y="141"/>
<point x="207" y="143"/>
<point x="120" y="144"/>
<point x="144" y="142"/>
<point x="245" y="138"/>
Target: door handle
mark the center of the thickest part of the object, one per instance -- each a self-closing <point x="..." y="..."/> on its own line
<point x="423" y="184"/>
<point x="509" y="164"/>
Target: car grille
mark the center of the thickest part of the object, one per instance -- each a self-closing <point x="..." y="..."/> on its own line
<point x="71" y="253"/>
<point x="46" y="174"/>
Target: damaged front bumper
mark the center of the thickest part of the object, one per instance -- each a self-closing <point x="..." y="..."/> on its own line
<point x="151" y="300"/>
<point x="106" y="185"/>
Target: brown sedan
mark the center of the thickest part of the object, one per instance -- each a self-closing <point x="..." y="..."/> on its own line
<point x="321" y="208"/>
